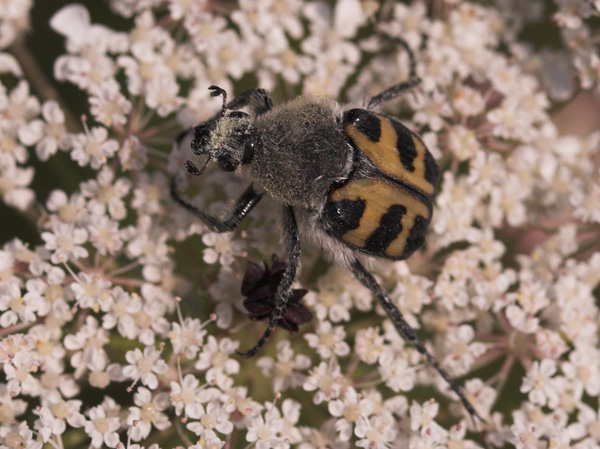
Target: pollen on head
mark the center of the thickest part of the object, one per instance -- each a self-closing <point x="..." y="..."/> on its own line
<point x="223" y="131"/>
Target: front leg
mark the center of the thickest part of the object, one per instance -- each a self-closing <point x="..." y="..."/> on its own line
<point x="258" y="100"/>
<point x="292" y="245"/>
<point x="231" y="219"/>
<point x="407" y="332"/>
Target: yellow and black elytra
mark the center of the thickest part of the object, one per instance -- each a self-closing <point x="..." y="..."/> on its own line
<point x="356" y="181"/>
<point x="386" y="210"/>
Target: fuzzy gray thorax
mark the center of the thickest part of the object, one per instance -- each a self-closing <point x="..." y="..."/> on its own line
<point x="302" y="151"/>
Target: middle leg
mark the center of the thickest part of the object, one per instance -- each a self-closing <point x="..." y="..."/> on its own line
<point x="292" y="245"/>
<point x="232" y="218"/>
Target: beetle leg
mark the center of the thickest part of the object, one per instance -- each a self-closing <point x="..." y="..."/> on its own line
<point x="231" y="219"/>
<point x="397" y="89"/>
<point x="391" y="92"/>
<point x="407" y="332"/>
<point x="258" y="100"/>
<point x="292" y="244"/>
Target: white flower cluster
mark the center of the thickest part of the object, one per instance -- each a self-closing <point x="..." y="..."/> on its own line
<point x="98" y="348"/>
<point x="578" y="20"/>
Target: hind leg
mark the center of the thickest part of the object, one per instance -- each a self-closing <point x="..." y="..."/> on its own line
<point x="407" y="332"/>
<point x="397" y="89"/>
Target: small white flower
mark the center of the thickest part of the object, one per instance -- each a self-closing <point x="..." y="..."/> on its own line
<point x="376" y="432"/>
<point x="587" y="204"/>
<point x="50" y="351"/>
<point x="48" y="135"/>
<point x="92" y="291"/>
<point x="149" y="193"/>
<point x="14" y="24"/>
<point x="14" y="307"/>
<point x="102" y="428"/>
<point x="463" y="142"/>
<point x="463" y="351"/>
<point x="327" y="380"/>
<point x="147" y="244"/>
<point x="72" y="21"/>
<point x="68" y="209"/>
<point x="265" y="431"/>
<point x="12" y="407"/>
<point x="334" y="298"/>
<point x="106" y="194"/>
<point x="105" y="235"/>
<point x="204" y="26"/>
<point x="108" y="105"/>
<point x="543" y="389"/>
<point x="132" y="154"/>
<point x="350" y="410"/>
<point x="227" y="54"/>
<point x="422" y="418"/>
<point x="227" y="296"/>
<point x="93" y="147"/>
<point x="47" y="424"/>
<point x="21" y="367"/>
<point x="215" y="418"/>
<point x="430" y="109"/>
<point x="222" y="248"/>
<point x="285" y="371"/>
<point x="583" y="368"/>
<point x="328" y="340"/>
<point x="369" y="345"/>
<point x="21" y="107"/>
<point x="56" y="414"/>
<point x="237" y="401"/>
<point x="14" y="182"/>
<point x="147" y="413"/>
<point x="413" y="293"/>
<point x="161" y="94"/>
<point x="187" y="397"/>
<point x="65" y="242"/>
<point x="396" y="371"/>
<point x="208" y="439"/>
<point x="187" y="337"/>
<point x="87" y="344"/>
<point x="215" y="357"/>
<point x="526" y="434"/>
<point x="145" y="366"/>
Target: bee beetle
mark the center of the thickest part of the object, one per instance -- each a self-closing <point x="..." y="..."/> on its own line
<point x="357" y="182"/>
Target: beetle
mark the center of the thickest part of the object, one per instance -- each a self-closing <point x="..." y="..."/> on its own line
<point x="358" y="182"/>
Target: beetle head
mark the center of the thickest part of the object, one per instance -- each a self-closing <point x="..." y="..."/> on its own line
<point x="229" y="139"/>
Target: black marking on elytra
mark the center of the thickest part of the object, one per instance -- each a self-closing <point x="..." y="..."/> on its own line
<point x="343" y="216"/>
<point x="432" y="171"/>
<point x="405" y="145"/>
<point x="416" y="236"/>
<point x="366" y="122"/>
<point x="390" y="226"/>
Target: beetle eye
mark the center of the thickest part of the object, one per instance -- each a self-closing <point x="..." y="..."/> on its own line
<point x="227" y="163"/>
